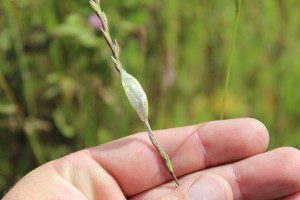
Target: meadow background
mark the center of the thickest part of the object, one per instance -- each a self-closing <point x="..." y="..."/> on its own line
<point x="59" y="92"/>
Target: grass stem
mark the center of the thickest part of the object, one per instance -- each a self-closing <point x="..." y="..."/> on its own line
<point x="232" y="47"/>
<point x="163" y="154"/>
<point x="132" y="87"/>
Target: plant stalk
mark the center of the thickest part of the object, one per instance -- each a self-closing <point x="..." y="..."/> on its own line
<point x="133" y="90"/>
<point x="163" y="154"/>
<point x="232" y="47"/>
<point x="31" y="134"/>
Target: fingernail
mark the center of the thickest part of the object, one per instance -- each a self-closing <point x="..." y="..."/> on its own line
<point x="207" y="187"/>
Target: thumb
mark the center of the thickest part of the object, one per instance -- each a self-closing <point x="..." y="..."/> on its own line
<point x="205" y="187"/>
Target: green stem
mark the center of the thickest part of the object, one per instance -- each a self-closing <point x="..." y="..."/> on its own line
<point x="31" y="134"/>
<point x="163" y="154"/>
<point x="11" y="97"/>
<point x="34" y="141"/>
<point x="232" y="47"/>
<point x="50" y="21"/>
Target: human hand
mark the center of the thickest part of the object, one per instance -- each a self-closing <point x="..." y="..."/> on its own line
<point x="214" y="160"/>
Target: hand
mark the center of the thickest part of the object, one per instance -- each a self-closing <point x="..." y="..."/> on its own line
<point x="214" y="160"/>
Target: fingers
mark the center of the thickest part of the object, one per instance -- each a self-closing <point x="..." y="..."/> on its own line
<point x="231" y="140"/>
<point x="211" y="187"/>
<point x="136" y="166"/>
<point x="277" y="172"/>
<point x="271" y="175"/>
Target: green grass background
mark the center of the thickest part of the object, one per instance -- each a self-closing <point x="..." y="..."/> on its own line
<point x="59" y="92"/>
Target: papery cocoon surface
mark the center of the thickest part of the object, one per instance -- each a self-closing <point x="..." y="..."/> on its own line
<point x="135" y="94"/>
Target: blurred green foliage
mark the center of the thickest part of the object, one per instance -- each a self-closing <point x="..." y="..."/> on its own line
<point x="59" y="92"/>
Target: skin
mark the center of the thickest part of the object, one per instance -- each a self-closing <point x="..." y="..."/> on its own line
<point x="229" y="154"/>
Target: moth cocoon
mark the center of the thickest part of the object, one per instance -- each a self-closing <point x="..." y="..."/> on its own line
<point x="136" y="95"/>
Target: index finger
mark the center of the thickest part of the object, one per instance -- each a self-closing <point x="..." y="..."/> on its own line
<point x="136" y="165"/>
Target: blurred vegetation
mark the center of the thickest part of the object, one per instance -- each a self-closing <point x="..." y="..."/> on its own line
<point x="59" y="92"/>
